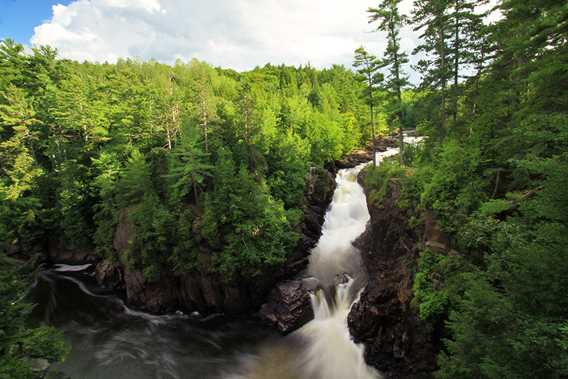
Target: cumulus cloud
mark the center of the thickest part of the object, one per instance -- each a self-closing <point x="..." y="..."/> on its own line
<point x="240" y="34"/>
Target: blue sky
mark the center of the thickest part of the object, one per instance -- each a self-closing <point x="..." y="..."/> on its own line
<point x="19" y="17"/>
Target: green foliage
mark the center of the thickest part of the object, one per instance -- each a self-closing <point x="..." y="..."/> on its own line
<point x="188" y="167"/>
<point x="452" y="183"/>
<point x="153" y="224"/>
<point x="208" y="165"/>
<point x="495" y="176"/>
<point x="494" y="207"/>
<point x="440" y="283"/>
<point x="368" y="66"/>
<point x="378" y="179"/>
<point x="250" y="228"/>
<point x="18" y="341"/>
<point x="381" y="179"/>
<point x="135" y="180"/>
<point x="431" y="297"/>
<point x="105" y="218"/>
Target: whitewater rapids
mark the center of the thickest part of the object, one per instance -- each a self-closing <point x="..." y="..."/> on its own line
<point x="323" y="348"/>
<point x="109" y="339"/>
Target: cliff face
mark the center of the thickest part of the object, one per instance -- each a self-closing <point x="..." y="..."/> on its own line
<point x="396" y="341"/>
<point x="200" y="291"/>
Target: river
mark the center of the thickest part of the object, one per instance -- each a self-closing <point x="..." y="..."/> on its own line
<point x="110" y="340"/>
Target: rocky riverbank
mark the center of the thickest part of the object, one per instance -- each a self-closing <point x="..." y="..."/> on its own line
<point x="396" y="340"/>
<point x="200" y="291"/>
<point x="282" y="291"/>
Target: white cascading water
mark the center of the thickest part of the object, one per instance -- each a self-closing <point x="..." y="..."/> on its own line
<point x="331" y="352"/>
<point x="328" y="351"/>
<point x="321" y="349"/>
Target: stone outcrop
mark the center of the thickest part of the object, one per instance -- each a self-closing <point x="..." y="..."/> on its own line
<point x="289" y="306"/>
<point x="206" y="293"/>
<point x="396" y="341"/>
<point x="366" y="155"/>
<point x="58" y="252"/>
<point x="110" y="274"/>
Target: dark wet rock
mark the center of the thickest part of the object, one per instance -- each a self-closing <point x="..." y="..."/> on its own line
<point x="289" y="306"/>
<point x="311" y="284"/>
<point x="206" y="292"/>
<point x="157" y="296"/>
<point x="109" y="274"/>
<point x="357" y="157"/>
<point x="396" y="341"/>
<point x="58" y="252"/>
<point x="320" y="186"/>
<point x="341" y="279"/>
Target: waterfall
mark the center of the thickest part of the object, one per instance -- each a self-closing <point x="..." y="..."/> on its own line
<point x="335" y="259"/>
<point x="336" y="263"/>
<point x="325" y="349"/>
<point x="110" y="339"/>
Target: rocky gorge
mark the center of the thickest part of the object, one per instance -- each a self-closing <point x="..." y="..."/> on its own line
<point x="203" y="292"/>
<point x="384" y="321"/>
<point x="396" y="340"/>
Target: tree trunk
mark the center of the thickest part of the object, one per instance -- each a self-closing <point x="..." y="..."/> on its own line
<point x="373" y="136"/>
<point x="168" y="138"/>
<point x="398" y="93"/>
<point x="195" y="193"/>
<point x="456" y="63"/>
<point x="442" y="52"/>
<point x="371" y="107"/>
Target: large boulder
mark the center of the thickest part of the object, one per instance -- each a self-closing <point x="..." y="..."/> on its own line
<point x="289" y="306"/>
<point x="109" y="274"/>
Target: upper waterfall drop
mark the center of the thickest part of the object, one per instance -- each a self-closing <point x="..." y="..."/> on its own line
<point x="344" y="222"/>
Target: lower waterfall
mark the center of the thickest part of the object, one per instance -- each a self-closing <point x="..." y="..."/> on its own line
<point x="323" y="348"/>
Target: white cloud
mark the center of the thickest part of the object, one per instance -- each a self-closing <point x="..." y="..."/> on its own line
<point x="239" y="34"/>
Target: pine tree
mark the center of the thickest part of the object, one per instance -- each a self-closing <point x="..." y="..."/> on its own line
<point x="430" y="16"/>
<point x="188" y="166"/>
<point x="466" y="41"/>
<point x="390" y="21"/>
<point x="18" y="169"/>
<point x="202" y="98"/>
<point x="12" y="63"/>
<point x="368" y="72"/>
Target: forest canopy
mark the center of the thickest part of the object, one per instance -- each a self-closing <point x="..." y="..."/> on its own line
<point x="493" y="171"/>
<point x="200" y="158"/>
<point x="194" y="155"/>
